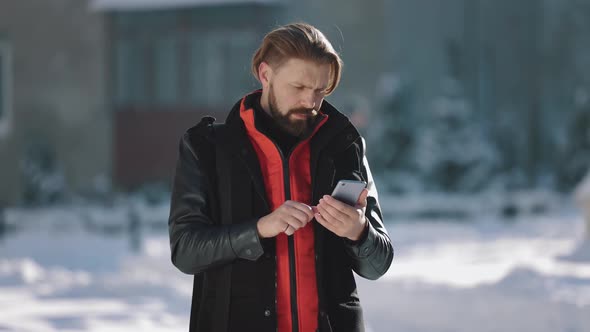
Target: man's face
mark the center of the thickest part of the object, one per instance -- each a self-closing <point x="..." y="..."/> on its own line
<point x="293" y="91"/>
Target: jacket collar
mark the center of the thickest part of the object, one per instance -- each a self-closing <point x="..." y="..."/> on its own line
<point x="336" y="124"/>
<point x="336" y="134"/>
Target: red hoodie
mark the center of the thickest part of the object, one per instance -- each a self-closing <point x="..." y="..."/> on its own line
<point x="287" y="177"/>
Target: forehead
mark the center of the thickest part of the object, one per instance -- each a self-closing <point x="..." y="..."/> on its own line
<point x="305" y="72"/>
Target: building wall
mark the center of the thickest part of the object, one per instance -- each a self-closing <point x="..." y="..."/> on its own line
<point x="515" y="60"/>
<point x="171" y="67"/>
<point x="58" y="91"/>
<point x="357" y="30"/>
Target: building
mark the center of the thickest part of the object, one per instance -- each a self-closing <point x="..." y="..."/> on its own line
<point x="170" y="63"/>
<point x="52" y="95"/>
<point x="99" y="91"/>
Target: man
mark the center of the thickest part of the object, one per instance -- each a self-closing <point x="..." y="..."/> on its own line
<point x="250" y="213"/>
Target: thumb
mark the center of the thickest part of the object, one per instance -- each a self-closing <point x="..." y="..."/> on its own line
<point x="362" y="202"/>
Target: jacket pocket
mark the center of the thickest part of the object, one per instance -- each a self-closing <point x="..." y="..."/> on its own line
<point x="249" y="313"/>
<point x="347" y="317"/>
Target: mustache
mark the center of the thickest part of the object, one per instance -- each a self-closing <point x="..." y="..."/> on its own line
<point x="304" y="111"/>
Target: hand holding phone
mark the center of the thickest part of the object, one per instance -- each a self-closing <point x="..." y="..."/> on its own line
<point x="339" y="212"/>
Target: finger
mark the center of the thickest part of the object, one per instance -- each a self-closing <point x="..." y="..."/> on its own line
<point x="314" y="209"/>
<point x="328" y="218"/>
<point x="300" y="208"/>
<point x="298" y="213"/>
<point x="293" y="222"/>
<point x="362" y="201"/>
<point x="325" y="223"/>
<point x="289" y="231"/>
<point x="340" y="206"/>
<point x="303" y="208"/>
<point x="335" y="213"/>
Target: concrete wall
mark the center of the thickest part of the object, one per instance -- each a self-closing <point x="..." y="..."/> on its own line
<point x="58" y="90"/>
<point x="357" y="30"/>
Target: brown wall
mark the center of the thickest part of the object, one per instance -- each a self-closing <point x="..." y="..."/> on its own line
<point x="146" y="144"/>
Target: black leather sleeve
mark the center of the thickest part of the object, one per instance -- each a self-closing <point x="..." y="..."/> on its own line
<point x="197" y="243"/>
<point x="373" y="253"/>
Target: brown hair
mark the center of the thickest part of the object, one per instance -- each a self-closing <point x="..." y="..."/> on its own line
<point x="301" y="41"/>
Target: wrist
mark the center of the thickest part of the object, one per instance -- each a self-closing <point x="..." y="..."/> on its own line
<point x="259" y="229"/>
<point x="361" y="232"/>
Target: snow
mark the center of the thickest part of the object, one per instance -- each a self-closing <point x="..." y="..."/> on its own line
<point x="581" y="254"/>
<point x="582" y="190"/>
<point x="87" y="268"/>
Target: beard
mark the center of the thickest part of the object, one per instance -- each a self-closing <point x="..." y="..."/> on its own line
<point x="294" y="126"/>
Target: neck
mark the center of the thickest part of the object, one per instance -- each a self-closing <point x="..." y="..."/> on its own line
<point x="264" y="102"/>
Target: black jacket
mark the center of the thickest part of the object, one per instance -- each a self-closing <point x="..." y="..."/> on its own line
<point x="217" y="198"/>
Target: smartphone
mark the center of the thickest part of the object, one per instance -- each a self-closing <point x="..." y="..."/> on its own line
<point x="348" y="191"/>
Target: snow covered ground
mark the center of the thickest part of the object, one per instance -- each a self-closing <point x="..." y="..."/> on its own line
<point x="89" y="268"/>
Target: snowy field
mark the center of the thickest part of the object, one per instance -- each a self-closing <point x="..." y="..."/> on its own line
<point x="90" y="268"/>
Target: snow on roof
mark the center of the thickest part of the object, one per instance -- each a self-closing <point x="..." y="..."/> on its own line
<point x="108" y="5"/>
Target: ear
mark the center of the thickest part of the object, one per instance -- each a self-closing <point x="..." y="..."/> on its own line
<point x="264" y="74"/>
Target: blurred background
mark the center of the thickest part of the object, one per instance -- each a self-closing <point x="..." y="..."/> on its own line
<point x="476" y="114"/>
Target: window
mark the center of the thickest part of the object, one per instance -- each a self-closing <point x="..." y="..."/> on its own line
<point x="168" y="59"/>
<point x="207" y="77"/>
<point x="166" y="70"/>
<point x="241" y="48"/>
<point x="220" y="67"/>
<point x="130" y="72"/>
<point x="5" y="89"/>
<point x="146" y="71"/>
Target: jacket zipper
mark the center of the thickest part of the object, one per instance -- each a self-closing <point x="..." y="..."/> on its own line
<point x="290" y="239"/>
<point x="291" y="244"/>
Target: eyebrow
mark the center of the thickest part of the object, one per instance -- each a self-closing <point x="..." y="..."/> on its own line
<point x="308" y="87"/>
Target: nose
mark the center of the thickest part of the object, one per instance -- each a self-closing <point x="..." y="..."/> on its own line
<point x="308" y="103"/>
<point x="309" y="100"/>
